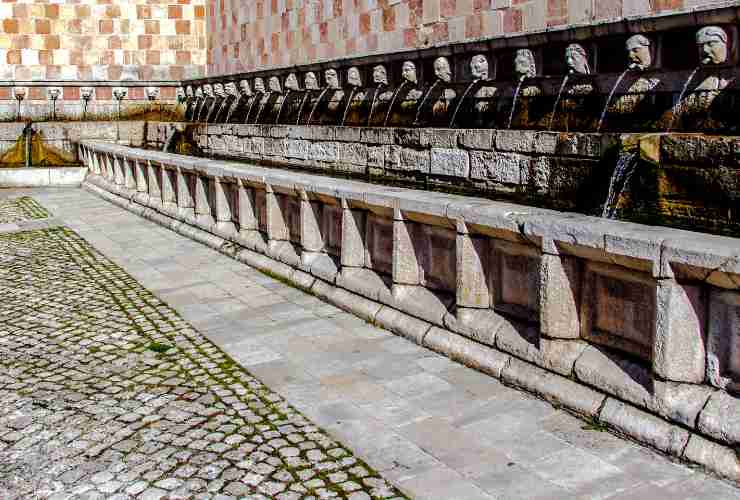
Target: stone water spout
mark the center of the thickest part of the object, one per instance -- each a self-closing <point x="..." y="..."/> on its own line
<point x="219" y="96"/>
<point x="259" y="94"/>
<point x="576" y="60"/>
<point x="189" y="103"/>
<point x="206" y="101"/>
<point x="439" y="95"/>
<point x="524" y="67"/>
<point x="354" y="81"/>
<point x="273" y="89"/>
<point x="332" y="85"/>
<point x="408" y="79"/>
<point x="20" y="94"/>
<point x="199" y="99"/>
<point x="244" y="92"/>
<point x="53" y="93"/>
<point x="311" y="85"/>
<point x="291" y="86"/>
<point x="712" y="43"/>
<point x="380" y="79"/>
<point x="479" y="89"/>
<point x="231" y="96"/>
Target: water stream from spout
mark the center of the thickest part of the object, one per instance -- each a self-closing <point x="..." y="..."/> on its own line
<point x="372" y="105"/>
<point x="316" y="104"/>
<point x="255" y="97"/>
<point x="300" y="108"/>
<point x="169" y="145"/>
<point x="393" y="101"/>
<point x="557" y="101"/>
<point x="280" y="108"/>
<point x="232" y="108"/>
<point x="263" y="102"/>
<point x="424" y="100"/>
<point x="626" y="165"/>
<point x="516" y="96"/>
<point x="677" y="108"/>
<point x="349" y="103"/>
<point x="462" y="99"/>
<point x="609" y="99"/>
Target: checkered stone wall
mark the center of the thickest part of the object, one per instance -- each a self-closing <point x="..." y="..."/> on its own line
<point x="257" y="34"/>
<point x="102" y="39"/>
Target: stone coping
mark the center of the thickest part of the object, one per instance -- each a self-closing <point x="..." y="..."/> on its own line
<point x="42" y="177"/>
<point x="665" y="252"/>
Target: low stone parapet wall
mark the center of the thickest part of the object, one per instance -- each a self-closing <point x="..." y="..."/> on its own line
<point x="633" y="326"/>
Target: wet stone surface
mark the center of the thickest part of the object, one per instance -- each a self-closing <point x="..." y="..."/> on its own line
<point x="20" y="209"/>
<point x="106" y="392"/>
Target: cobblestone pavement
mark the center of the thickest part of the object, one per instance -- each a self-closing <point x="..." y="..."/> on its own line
<point x="105" y="392"/>
<point x="433" y="428"/>
<point x="21" y="208"/>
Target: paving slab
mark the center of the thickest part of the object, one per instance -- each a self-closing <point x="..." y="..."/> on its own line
<point x="431" y="427"/>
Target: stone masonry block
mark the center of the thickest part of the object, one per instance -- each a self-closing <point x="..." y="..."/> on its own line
<point x="297" y="148"/>
<point x="515" y="141"/>
<point x="376" y="156"/>
<point x="438" y="138"/>
<point x="467" y="352"/>
<point x="353" y="232"/>
<point x="504" y="168"/>
<point x="406" y="159"/>
<point x="545" y="143"/>
<point x="524" y="342"/>
<point x="397" y="322"/>
<point x="348" y="134"/>
<point x="560" y="295"/>
<point x="472" y="270"/>
<point x="720" y="459"/>
<point x="723" y="342"/>
<point x="311" y="238"/>
<point x="554" y="388"/>
<point x="377" y="136"/>
<point x="450" y="162"/>
<point x="480" y="139"/>
<point x="679" y="353"/>
<point x="720" y="418"/>
<point x="406" y="269"/>
<point x="352" y="154"/>
<point x="644" y="426"/>
<point x="580" y="144"/>
<point x="679" y="402"/>
<point x="323" y="151"/>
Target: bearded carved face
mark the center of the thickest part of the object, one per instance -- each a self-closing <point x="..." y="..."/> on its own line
<point x="259" y="85"/>
<point x="712" y="44"/>
<point x="380" y="75"/>
<point x="408" y="72"/>
<point x="218" y="89"/>
<point x="576" y="60"/>
<point x="230" y="89"/>
<point x="479" y="67"/>
<point x="291" y="82"/>
<point x="244" y="88"/>
<point x="353" y="77"/>
<point x="274" y="84"/>
<point x="208" y="90"/>
<point x="311" y="81"/>
<point x="442" y="69"/>
<point x="638" y="52"/>
<point x="332" y="79"/>
<point x="524" y="65"/>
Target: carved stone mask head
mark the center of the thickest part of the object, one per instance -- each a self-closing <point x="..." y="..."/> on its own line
<point x="218" y="89"/>
<point x="274" y="84"/>
<point x="380" y="75"/>
<point x="244" y="87"/>
<point x="291" y="82"/>
<point x="524" y="65"/>
<point x="208" y="90"/>
<point x="353" y="77"/>
<point x="259" y="85"/>
<point x="576" y="59"/>
<point x="408" y="71"/>
<point x="230" y="89"/>
<point x="311" y="82"/>
<point x="712" y="42"/>
<point x="189" y="91"/>
<point x="199" y="92"/>
<point x="638" y="52"/>
<point x="479" y="67"/>
<point x="332" y="78"/>
<point x="442" y="69"/>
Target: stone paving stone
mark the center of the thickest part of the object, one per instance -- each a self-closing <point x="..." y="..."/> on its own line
<point x="21" y="209"/>
<point x="343" y="364"/>
<point x="82" y="340"/>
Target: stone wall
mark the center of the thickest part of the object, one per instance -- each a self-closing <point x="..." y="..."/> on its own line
<point x="115" y="40"/>
<point x="635" y="327"/>
<point x="244" y="36"/>
<point x="683" y="180"/>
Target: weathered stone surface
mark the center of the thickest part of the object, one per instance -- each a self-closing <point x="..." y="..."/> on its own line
<point x="472" y="269"/>
<point x="615" y="375"/>
<point x="723" y="342"/>
<point x="480" y="325"/>
<point x="407" y="326"/>
<point x="578" y="144"/>
<point x="376" y="156"/>
<point x="297" y="148"/>
<point x="715" y="457"/>
<point x="467" y="352"/>
<point x="644" y="427"/>
<point x="545" y="142"/>
<point x="707" y="150"/>
<point x="678" y="353"/>
<point x="680" y="402"/>
<point x="323" y="151"/>
<point x="525" y="342"/>
<point x="353" y="154"/>
<point x="438" y="138"/>
<point x="554" y="388"/>
<point x="503" y="168"/>
<point x="377" y="135"/>
<point x="560" y="296"/>
<point x="720" y="418"/>
<point x="413" y="160"/>
<point x="480" y="139"/>
<point x="516" y="141"/>
<point x="450" y="162"/>
<point x="348" y="134"/>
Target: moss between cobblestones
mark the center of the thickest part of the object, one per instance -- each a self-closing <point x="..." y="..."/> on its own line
<point x="21" y="209"/>
<point x="80" y="326"/>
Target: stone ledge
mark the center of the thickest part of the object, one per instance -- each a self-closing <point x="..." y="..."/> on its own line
<point x="619" y="415"/>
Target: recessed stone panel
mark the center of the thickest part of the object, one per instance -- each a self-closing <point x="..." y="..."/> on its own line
<point x="331" y="228"/>
<point x="379" y="241"/>
<point x="515" y="279"/>
<point x="619" y="309"/>
<point x="435" y="252"/>
<point x="723" y="356"/>
<point x="290" y="206"/>
<point x="260" y="207"/>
